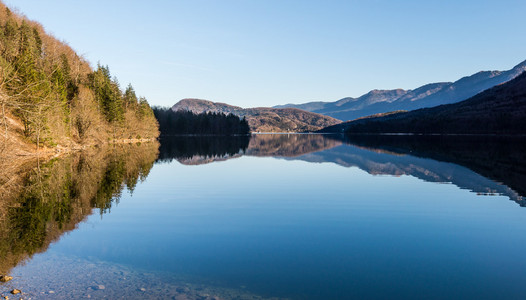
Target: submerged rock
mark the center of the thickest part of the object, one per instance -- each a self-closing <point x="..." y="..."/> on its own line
<point x="16" y="291"/>
<point x="5" y="278"/>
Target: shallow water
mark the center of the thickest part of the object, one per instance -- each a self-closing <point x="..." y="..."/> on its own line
<point x="274" y="216"/>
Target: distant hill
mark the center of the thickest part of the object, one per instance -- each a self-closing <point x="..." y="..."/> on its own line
<point x="499" y="110"/>
<point x="429" y="95"/>
<point x="263" y="119"/>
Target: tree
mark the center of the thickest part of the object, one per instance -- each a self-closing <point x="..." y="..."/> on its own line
<point x="107" y="93"/>
<point x="130" y="98"/>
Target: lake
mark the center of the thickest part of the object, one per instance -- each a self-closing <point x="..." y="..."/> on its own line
<point x="297" y="216"/>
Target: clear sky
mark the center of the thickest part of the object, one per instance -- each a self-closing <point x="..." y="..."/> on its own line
<point x="263" y="53"/>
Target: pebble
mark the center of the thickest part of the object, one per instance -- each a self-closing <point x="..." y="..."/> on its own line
<point x="5" y="278"/>
<point x="101" y="287"/>
<point x="15" y="291"/>
<point x="143" y="289"/>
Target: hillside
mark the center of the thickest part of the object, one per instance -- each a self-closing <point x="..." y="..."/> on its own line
<point x="499" y="110"/>
<point x="262" y="119"/>
<point x="429" y="95"/>
<point x="50" y="96"/>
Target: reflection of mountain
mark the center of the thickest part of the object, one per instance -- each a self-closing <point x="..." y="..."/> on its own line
<point x="501" y="159"/>
<point x="54" y="197"/>
<point x="288" y="145"/>
<point x="381" y="162"/>
<point x="476" y="164"/>
<point x="197" y="150"/>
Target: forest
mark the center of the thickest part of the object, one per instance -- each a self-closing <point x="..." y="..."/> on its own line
<point x="51" y="96"/>
<point x="187" y="122"/>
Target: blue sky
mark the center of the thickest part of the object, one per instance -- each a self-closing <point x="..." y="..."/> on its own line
<point x="264" y="53"/>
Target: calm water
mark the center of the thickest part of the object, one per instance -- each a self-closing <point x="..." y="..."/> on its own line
<point x="274" y="216"/>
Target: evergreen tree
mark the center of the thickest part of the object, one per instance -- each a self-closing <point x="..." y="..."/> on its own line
<point x="186" y="122"/>
<point x="130" y="98"/>
<point x="107" y="93"/>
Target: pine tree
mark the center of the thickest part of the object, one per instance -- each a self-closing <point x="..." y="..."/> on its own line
<point x="130" y="98"/>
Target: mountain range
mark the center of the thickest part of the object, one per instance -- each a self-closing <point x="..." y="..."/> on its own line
<point x="499" y="110"/>
<point x="429" y="95"/>
<point x="263" y="119"/>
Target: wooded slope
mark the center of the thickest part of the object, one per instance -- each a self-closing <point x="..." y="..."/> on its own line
<point x="51" y="96"/>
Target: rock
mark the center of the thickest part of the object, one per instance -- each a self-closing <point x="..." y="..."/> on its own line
<point x="143" y="289"/>
<point x="101" y="287"/>
<point x="5" y="278"/>
<point x="15" y="291"/>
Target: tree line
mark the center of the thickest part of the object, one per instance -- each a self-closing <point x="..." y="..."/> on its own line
<point x="56" y="96"/>
<point x="209" y="123"/>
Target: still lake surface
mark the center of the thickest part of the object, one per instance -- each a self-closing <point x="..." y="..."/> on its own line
<point x="275" y="216"/>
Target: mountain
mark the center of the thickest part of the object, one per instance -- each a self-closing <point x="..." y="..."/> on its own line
<point x="499" y="110"/>
<point x="263" y="119"/>
<point x="429" y="95"/>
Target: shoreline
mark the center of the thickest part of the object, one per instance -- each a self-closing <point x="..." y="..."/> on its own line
<point x="17" y="158"/>
<point x="61" y="150"/>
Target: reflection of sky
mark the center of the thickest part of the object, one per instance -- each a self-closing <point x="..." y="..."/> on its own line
<point x="292" y="228"/>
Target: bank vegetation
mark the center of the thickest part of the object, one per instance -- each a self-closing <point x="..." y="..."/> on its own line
<point x="51" y="98"/>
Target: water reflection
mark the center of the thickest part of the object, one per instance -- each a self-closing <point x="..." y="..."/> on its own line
<point x="52" y="198"/>
<point x="500" y="159"/>
<point x="287" y="227"/>
<point x="195" y="150"/>
<point x="484" y="165"/>
<point x="289" y="145"/>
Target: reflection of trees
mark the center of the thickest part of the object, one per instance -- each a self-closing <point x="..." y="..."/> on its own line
<point x="207" y="149"/>
<point x="54" y="197"/>
<point x="502" y="159"/>
<point x="202" y="149"/>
